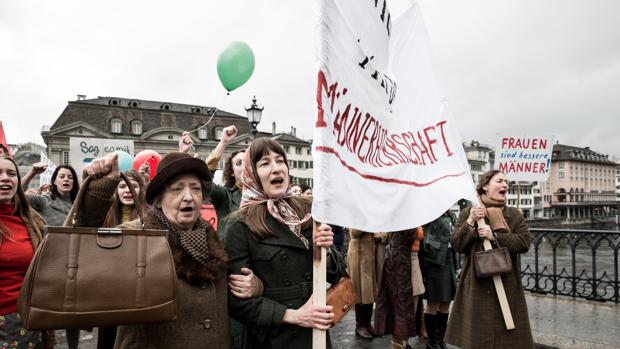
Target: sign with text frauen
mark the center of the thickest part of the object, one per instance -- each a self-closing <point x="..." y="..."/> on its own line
<point x="524" y="158"/>
<point x="84" y="150"/>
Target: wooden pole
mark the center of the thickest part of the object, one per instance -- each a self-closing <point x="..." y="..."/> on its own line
<point x="499" y="287"/>
<point x="319" y="289"/>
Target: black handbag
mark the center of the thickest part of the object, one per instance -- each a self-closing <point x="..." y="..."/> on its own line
<point x="495" y="261"/>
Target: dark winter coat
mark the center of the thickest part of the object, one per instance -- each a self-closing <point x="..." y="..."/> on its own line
<point x="202" y="313"/>
<point x="225" y="200"/>
<point x="394" y="309"/>
<point x="284" y="265"/>
<point x="476" y="319"/>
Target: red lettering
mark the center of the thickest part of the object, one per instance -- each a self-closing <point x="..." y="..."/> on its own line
<point x="443" y="137"/>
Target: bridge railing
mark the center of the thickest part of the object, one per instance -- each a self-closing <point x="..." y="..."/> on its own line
<point x="576" y="263"/>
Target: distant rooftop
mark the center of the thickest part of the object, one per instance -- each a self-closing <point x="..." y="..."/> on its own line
<point x="571" y="153"/>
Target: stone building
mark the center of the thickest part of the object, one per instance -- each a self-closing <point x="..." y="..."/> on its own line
<point x="88" y="128"/>
<point x="581" y="186"/>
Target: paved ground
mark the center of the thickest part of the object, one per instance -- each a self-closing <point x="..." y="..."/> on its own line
<point x="557" y="322"/>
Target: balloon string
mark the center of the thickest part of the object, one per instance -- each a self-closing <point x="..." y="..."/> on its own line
<point x="206" y="123"/>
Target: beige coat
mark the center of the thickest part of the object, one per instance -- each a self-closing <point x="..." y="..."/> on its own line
<point x="362" y="266"/>
<point x="476" y="320"/>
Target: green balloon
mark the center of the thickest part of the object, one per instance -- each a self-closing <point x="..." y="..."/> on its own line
<point x="235" y="65"/>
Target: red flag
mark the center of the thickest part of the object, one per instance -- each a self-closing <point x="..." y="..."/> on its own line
<point x="4" y="147"/>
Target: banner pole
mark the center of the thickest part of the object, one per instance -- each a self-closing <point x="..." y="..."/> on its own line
<point x="499" y="287"/>
<point x="319" y="287"/>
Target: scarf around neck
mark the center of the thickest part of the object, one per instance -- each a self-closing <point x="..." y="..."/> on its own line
<point x="495" y="213"/>
<point x="195" y="241"/>
<point x="279" y="209"/>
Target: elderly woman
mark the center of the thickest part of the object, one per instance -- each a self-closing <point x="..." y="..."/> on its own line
<point x="21" y="229"/>
<point x="476" y="319"/>
<point x="175" y="195"/>
<point x="272" y="234"/>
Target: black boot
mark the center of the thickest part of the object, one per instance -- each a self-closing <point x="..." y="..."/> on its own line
<point x="430" y="321"/>
<point x="367" y="318"/>
<point x="442" y="324"/>
<point x="360" y="325"/>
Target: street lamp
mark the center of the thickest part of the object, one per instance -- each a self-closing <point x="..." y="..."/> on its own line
<point x="254" y="114"/>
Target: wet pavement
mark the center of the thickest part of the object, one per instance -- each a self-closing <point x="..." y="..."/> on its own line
<point x="557" y="322"/>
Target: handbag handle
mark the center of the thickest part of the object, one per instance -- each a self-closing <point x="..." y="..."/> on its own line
<point x="73" y="213"/>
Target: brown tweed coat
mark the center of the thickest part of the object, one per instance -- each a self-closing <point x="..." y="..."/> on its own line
<point x="476" y="320"/>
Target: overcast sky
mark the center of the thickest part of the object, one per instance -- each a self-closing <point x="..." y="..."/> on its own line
<point x="528" y="66"/>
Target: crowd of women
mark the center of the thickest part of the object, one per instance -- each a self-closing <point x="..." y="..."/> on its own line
<point x="246" y="282"/>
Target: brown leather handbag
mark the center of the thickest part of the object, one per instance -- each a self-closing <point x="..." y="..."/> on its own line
<point x="86" y="277"/>
<point x="341" y="296"/>
<point x="492" y="262"/>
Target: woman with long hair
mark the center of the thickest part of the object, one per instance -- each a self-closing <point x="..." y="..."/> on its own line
<point x="123" y="210"/>
<point x="476" y="319"/>
<point x="55" y="208"/>
<point x="272" y="234"/>
<point x="63" y="191"/>
<point x="21" y="230"/>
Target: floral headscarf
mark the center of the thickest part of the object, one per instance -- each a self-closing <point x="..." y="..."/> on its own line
<point x="279" y="209"/>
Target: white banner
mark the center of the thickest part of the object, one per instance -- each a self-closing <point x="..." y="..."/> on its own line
<point x="387" y="154"/>
<point x="84" y="150"/>
<point x="46" y="177"/>
<point x="524" y="158"/>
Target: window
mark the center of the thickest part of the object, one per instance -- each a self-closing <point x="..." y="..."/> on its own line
<point x="308" y="151"/>
<point x="560" y="164"/>
<point x="136" y="127"/>
<point x="116" y="126"/>
<point x="286" y="149"/>
<point x="202" y="133"/>
<point x="218" y="132"/>
<point x="560" y="175"/>
<point x="298" y="150"/>
<point x="311" y="165"/>
<point x="65" y="158"/>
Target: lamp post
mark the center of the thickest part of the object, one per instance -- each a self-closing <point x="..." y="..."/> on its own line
<point x="254" y="115"/>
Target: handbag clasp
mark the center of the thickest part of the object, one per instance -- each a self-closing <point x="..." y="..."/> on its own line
<point x="112" y="231"/>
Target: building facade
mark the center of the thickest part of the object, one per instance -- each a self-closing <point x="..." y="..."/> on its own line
<point x="136" y="125"/>
<point x="581" y="186"/>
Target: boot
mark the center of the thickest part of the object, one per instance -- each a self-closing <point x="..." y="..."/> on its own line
<point x="430" y="321"/>
<point x="367" y="318"/>
<point x="360" y="326"/>
<point x="442" y="324"/>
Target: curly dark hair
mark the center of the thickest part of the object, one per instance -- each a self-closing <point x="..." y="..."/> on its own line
<point x="229" y="173"/>
<point x="485" y="178"/>
<point x="76" y="185"/>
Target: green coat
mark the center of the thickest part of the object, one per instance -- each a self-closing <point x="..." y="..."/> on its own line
<point x="284" y="265"/>
<point x="476" y="319"/>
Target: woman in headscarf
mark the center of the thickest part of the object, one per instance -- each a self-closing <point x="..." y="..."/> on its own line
<point x="476" y="319"/>
<point x="21" y="230"/>
<point x="272" y="234"/>
<point x="175" y="195"/>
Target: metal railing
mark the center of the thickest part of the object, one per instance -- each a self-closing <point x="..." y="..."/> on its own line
<point x="577" y="263"/>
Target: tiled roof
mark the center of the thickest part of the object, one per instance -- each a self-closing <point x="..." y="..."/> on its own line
<point x="563" y="152"/>
<point x="99" y="111"/>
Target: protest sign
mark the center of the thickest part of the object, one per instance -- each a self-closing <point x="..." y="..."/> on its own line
<point x="46" y="177"/>
<point x="524" y="158"/>
<point x="84" y="150"/>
